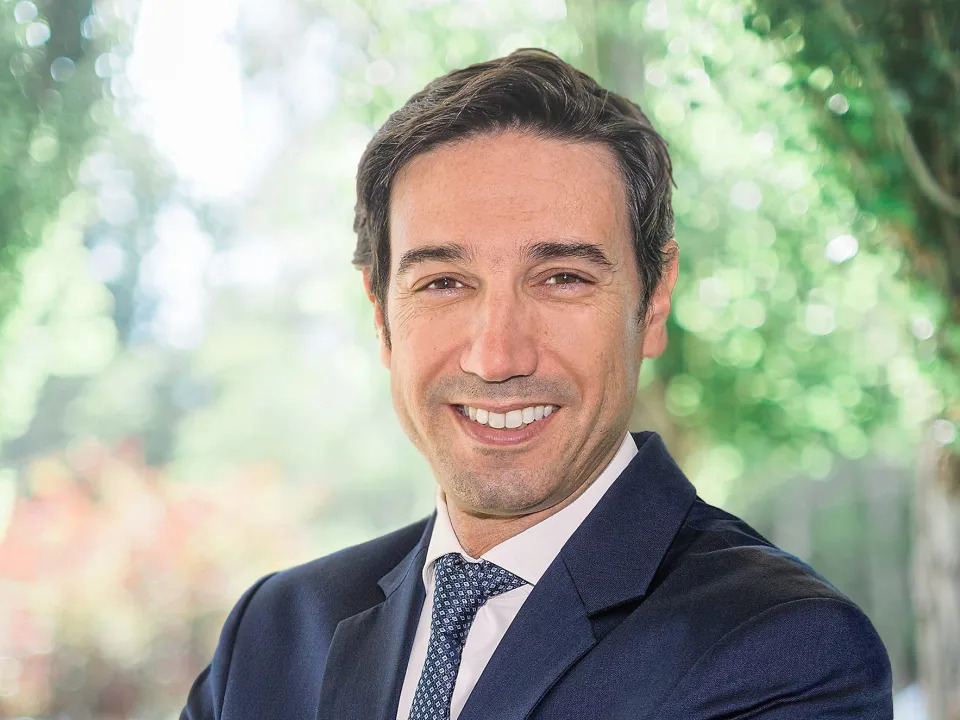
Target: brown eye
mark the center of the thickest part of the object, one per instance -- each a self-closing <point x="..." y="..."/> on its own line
<point x="444" y="283"/>
<point x="564" y="278"/>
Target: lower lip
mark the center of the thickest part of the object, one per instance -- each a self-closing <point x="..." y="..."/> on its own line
<point x="491" y="436"/>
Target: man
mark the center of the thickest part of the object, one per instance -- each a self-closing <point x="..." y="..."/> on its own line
<point x="516" y="238"/>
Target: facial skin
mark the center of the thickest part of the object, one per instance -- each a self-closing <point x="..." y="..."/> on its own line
<point x="496" y="308"/>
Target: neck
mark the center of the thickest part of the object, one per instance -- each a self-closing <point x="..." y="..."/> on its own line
<point x="479" y="533"/>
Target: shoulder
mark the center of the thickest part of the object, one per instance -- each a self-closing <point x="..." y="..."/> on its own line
<point x="807" y="657"/>
<point x="277" y="634"/>
<point x="717" y="555"/>
<point x="344" y="582"/>
<point x="767" y="621"/>
<point x="724" y="575"/>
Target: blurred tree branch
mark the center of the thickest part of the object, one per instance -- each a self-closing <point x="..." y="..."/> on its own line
<point x="863" y="54"/>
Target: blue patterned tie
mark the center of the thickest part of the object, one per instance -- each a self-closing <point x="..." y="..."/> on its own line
<point x="460" y="589"/>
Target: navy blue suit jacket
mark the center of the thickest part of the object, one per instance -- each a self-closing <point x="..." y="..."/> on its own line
<point x="659" y="606"/>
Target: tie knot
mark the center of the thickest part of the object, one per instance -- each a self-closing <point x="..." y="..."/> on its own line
<point x="482" y="578"/>
<point x="462" y="587"/>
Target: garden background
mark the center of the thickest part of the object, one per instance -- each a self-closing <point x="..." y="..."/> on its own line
<point x="190" y="393"/>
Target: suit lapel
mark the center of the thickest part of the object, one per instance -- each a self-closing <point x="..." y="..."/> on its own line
<point x="614" y="554"/>
<point x="369" y="651"/>
<point x="610" y="560"/>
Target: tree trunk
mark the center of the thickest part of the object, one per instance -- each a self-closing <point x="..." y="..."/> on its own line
<point x="937" y="580"/>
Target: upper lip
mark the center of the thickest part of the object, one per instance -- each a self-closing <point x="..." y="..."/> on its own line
<point x="503" y="407"/>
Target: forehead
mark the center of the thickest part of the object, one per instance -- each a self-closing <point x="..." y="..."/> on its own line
<point x="497" y="193"/>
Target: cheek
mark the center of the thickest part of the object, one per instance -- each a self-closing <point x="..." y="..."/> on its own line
<point x="618" y="361"/>
<point x="633" y="346"/>
<point x="406" y="375"/>
<point x="422" y="353"/>
<point x="422" y="334"/>
<point x="606" y="340"/>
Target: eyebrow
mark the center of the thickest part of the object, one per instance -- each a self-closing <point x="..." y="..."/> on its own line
<point x="559" y="250"/>
<point x="437" y="253"/>
<point x="538" y="251"/>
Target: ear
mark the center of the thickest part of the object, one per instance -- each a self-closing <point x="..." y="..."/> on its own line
<point x="378" y="319"/>
<point x="655" y="333"/>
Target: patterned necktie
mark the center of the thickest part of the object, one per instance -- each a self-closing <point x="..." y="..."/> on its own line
<point x="460" y="589"/>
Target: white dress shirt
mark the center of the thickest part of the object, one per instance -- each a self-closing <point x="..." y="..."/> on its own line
<point x="527" y="555"/>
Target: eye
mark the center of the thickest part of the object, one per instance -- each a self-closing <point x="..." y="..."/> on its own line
<point x="444" y="283"/>
<point x="565" y="278"/>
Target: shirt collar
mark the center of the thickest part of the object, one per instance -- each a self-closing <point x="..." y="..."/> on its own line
<point x="529" y="554"/>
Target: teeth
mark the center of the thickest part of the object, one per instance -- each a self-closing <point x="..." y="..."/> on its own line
<point x="513" y="419"/>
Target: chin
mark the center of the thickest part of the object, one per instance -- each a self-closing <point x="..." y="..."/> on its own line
<point x="501" y="494"/>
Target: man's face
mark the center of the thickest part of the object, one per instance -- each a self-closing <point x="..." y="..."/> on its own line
<point x="514" y="299"/>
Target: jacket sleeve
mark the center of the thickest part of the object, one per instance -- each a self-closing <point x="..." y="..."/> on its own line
<point x="811" y="658"/>
<point x="205" y="701"/>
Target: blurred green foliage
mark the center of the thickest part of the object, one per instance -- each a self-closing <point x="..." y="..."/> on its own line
<point x="797" y="338"/>
<point x="50" y="102"/>
<point x="45" y="119"/>
<point x="884" y="84"/>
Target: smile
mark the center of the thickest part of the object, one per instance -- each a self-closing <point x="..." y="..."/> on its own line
<point x="512" y="419"/>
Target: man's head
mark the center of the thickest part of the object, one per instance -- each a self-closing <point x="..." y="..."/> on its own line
<point x="515" y="230"/>
<point x="534" y="91"/>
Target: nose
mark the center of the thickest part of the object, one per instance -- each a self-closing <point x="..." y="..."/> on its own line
<point x="502" y="339"/>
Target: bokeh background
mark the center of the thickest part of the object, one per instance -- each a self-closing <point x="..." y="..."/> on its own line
<point x="190" y="394"/>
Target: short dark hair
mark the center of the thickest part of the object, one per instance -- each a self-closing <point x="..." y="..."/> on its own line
<point x="530" y="90"/>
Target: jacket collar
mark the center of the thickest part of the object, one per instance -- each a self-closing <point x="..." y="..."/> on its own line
<point x="615" y="553"/>
<point x="412" y="563"/>
<point x="369" y="650"/>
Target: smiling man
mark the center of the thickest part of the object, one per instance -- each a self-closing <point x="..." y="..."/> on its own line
<point x="515" y="234"/>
